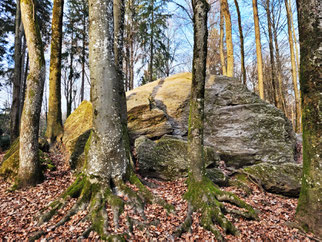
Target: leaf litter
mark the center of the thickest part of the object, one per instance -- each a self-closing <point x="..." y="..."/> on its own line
<point x="19" y="211"/>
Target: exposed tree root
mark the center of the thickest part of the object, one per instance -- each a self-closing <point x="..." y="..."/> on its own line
<point x="94" y="196"/>
<point x="206" y="197"/>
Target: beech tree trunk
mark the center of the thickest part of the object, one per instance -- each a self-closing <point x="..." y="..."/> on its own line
<point x="54" y="124"/>
<point x="151" y="43"/>
<point x="294" y="71"/>
<point x="242" y="48"/>
<point x="271" y="53"/>
<point x="196" y="115"/>
<point x="106" y="156"/>
<point x="258" y="52"/>
<point x="221" y="42"/>
<point x="281" y="104"/>
<point x="15" y="106"/>
<point x="229" y="39"/>
<point x="69" y="88"/>
<point x="83" y="55"/>
<point x="309" y="209"/>
<point x="29" y="168"/>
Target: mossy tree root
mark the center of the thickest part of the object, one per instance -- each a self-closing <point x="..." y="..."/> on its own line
<point x="206" y="197"/>
<point x="95" y="196"/>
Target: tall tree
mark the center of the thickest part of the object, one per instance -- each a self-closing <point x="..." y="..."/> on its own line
<point x="202" y="195"/>
<point x="229" y="39"/>
<point x="221" y="41"/>
<point x="271" y="53"/>
<point x="15" y="114"/>
<point x="258" y="51"/>
<point x="29" y="167"/>
<point x="107" y="166"/>
<point x="309" y="209"/>
<point x="294" y="70"/>
<point x="242" y="48"/>
<point x="152" y="36"/>
<point x="54" y="122"/>
<point x="282" y="103"/>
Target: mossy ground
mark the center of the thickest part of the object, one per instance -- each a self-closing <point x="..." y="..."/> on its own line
<point x="10" y="164"/>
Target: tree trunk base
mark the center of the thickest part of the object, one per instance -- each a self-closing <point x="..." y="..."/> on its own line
<point x="95" y="196"/>
<point x="206" y="197"/>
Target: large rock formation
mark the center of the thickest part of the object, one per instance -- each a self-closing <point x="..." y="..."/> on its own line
<point x="243" y="129"/>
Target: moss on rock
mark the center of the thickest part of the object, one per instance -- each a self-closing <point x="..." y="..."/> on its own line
<point x="284" y="179"/>
<point x="167" y="159"/>
<point x="10" y="163"/>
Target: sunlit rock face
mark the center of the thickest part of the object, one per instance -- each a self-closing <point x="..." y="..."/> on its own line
<point x="239" y="126"/>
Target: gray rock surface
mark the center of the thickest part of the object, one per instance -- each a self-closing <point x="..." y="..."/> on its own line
<point x="282" y="179"/>
<point x="167" y="159"/>
<point x="242" y="128"/>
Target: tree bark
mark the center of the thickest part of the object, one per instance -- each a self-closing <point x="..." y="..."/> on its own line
<point x="151" y="43"/>
<point x="295" y="40"/>
<point x="29" y="168"/>
<point x="69" y="95"/>
<point x="221" y="41"/>
<point x="229" y="39"/>
<point x="15" y="106"/>
<point x="106" y="157"/>
<point x="294" y="71"/>
<point x="271" y="53"/>
<point x="309" y="209"/>
<point x="83" y="53"/>
<point x="196" y="115"/>
<point x="54" y="124"/>
<point x="242" y="48"/>
<point x="258" y="52"/>
<point x="282" y="104"/>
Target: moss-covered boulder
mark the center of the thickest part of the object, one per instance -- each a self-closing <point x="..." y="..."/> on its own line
<point x="284" y="179"/>
<point x="167" y="159"/>
<point x="76" y="132"/>
<point x="10" y="163"/>
<point x="243" y="129"/>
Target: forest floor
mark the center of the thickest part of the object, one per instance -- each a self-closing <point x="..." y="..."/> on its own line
<point x="19" y="209"/>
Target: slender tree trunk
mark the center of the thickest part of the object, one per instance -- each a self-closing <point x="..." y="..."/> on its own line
<point x="221" y="41"/>
<point x="24" y="73"/>
<point x="83" y="57"/>
<point x="29" y="167"/>
<point x="151" y="43"/>
<point x="229" y="39"/>
<point x="14" y="114"/>
<point x="131" y="45"/>
<point x="271" y="53"/>
<point x="70" y="77"/>
<point x="54" y="124"/>
<point x="295" y="40"/>
<point x="242" y="48"/>
<point x="202" y="195"/>
<point x="196" y="116"/>
<point x="294" y="71"/>
<point x="258" y="52"/>
<point x="309" y="209"/>
<point x="281" y="104"/>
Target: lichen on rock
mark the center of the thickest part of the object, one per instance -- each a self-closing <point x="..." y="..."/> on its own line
<point x="284" y="179"/>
